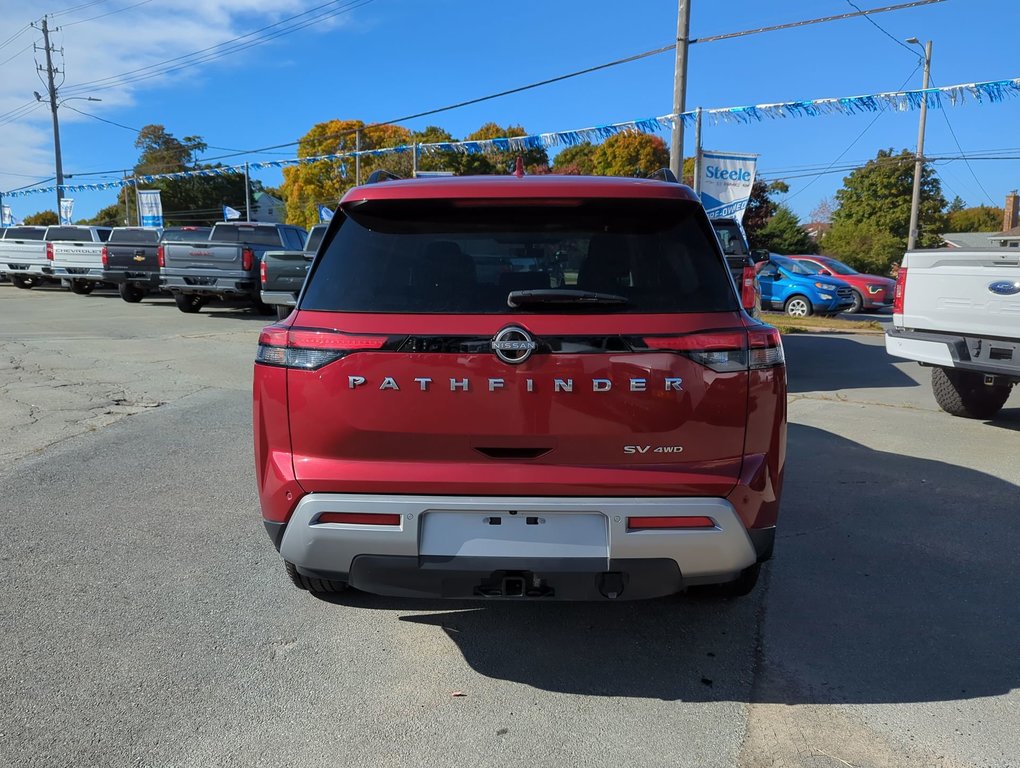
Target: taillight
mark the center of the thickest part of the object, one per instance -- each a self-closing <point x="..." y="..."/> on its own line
<point x="247" y="258"/>
<point x="748" y="295"/>
<point x="263" y="274"/>
<point x="660" y="523"/>
<point x="726" y="351"/>
<point x="105" y="257"/>
<point x="49" y="251"/>
<point x="161" y="256"/>
<point x="310" y="349"/>
<point x="901" y="291"/>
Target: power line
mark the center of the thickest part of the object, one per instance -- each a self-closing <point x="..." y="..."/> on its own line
<point x="12" y="58"/>
<point x="104" y="15"/>
<point x="15" y="36"/>
<point x="966" y="160"/>
<point x="81" y="7"/>
<point x="883" y="30"/>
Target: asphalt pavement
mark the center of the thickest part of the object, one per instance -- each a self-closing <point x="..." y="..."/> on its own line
<point x="146" y="619"/>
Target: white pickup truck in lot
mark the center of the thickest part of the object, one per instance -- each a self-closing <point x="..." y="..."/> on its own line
<point x="75" y="254"/>
<point x="23" y="255"/>
<point x="958" y="311"/>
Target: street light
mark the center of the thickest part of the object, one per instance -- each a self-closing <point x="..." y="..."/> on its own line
<point x="915" y="200"/>
<point x="54" y="104"/>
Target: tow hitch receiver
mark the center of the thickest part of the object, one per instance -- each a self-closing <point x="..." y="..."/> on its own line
<point x="513" y="584"/>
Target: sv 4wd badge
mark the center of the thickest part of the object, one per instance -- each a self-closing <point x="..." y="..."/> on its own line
<point x="642" y="449"/>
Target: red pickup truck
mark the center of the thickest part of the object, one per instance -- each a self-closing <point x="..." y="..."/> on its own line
<point x="520" y="388"/>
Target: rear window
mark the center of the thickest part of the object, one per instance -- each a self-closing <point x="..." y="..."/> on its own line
<point x="314" y="238"/>
<point x="189" y="235"/>
<point x="243" y="234"/>
<point x="450" y="256"/>
<point x="730" y="238"/>
<point x="134" y="237"/>
<point x="66" y="234"/>
<point x="23" y="233"/>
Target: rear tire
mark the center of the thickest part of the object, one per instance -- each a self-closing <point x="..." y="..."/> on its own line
<point x="21" y="281"/>
<point x="797" y="306"/>
<point x="82" y="287"/>
<point x="965" y="394"/>
<point x="320" y="586"/>
<point x="283" y="312"/>
<point x="261" y="308"/>
<point x="132" y="293"/>
<point x="188" y="303"/>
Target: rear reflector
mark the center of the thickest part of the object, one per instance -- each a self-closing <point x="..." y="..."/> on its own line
<point x="358" y="518"/>
<point x="657" y="523"/>
<point x="161" y="256"/>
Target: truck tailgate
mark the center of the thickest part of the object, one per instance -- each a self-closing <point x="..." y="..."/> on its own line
<point x="962" y="292"/>
<point x="77" y="255"/>
<point x="211" y="256"/>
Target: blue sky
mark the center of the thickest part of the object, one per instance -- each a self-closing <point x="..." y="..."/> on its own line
<point x="388" y="58"/>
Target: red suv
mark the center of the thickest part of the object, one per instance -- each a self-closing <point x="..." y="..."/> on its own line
<point x="520" y="387"/>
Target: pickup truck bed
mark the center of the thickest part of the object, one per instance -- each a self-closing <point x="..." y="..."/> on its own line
<point x="959" y="312"/>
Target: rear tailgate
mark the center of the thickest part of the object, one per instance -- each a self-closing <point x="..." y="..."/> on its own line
<point x="285" y="270"/>
<point x="455" y="419"/>
<point x="203" y="256"/>
<point x="953" y="292"/>
<point x="132" y="258"/>
<point x="23" y="253"/>
<point x="77" y="255"/>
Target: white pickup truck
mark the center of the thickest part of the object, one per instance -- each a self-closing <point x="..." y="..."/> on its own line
<point x="23" y="255"/>
<point x="76" y="254"/>
<point x="958" y="311"/>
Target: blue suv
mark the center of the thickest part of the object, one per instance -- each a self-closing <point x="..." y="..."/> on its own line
<point x="789" y="286"/>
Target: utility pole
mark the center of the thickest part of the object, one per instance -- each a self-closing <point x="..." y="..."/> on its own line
<point x="247" y="195"/>
<point x="915" y="200"/>
<point x="697" y="154"/>
<point x="52" y="92"/>
<point x="676" y="147"/>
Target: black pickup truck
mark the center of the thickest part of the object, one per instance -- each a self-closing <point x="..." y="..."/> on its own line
<point x="130" y="262"/>
<point x="225" y="266"/>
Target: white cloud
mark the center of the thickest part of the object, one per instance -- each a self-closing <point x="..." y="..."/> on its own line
<point x="98" y="50"/>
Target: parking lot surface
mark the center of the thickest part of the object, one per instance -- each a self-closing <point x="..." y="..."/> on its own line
<point x="147" y="620"/>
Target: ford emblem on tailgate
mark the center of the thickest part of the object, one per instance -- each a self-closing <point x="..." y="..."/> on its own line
<point x="513" y="345"/>
<point x="1005" y="287"/>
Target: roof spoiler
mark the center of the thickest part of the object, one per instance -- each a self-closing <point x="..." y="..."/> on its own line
<point x="664" y="174"/>
<point x="382" y="175"/>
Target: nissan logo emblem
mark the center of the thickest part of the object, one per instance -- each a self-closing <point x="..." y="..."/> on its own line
<point x="513" y="345"/>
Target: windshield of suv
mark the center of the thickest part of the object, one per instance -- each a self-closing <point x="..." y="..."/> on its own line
<point x="440" y="256"/>
<point x="794" y="267"/>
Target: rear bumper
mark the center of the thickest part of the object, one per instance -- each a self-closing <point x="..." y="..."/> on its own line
<point x="92" y="274"/>
<point x="23" y="268"/>
<point x="229" y="284"/>
<point x="118" y="276"/>
<point x="990" y="356"/>
<point x="399" y="560"/>
<point x="279" y="298"/>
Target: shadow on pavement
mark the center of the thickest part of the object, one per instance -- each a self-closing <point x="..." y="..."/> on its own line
<point x="893" y="582"/>
<point x="826" y="363"/>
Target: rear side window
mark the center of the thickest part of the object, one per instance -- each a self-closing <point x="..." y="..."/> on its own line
<point x="23" y="233"/>
<point x="452" y="256"/>
<point x="134" y="237"/>
<point x="243" y="234"/>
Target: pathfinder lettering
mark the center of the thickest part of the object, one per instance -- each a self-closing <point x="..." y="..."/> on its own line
<point x="669" y="384"/>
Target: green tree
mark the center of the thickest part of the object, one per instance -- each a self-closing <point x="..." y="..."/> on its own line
<point x="957" y="204"/>
<point x="783" y="233"/>
<point x="863" y="245"/>
<point x="42" y="218"/>
<point x="760" y="208"/>
<point x="576" y="160"/>
<point x="110" y="216"/>
<point x="630" y="154"/>
<point x="878" y="195"/>
<point x="981" y="218"/>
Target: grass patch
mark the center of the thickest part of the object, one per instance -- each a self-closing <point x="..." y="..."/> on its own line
<point x="787" y="324"/>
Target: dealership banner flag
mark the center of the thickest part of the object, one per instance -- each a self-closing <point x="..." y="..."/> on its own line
<point x="726" y="181"/>
<point x="66" y="210"/>
<point x="6" y="217"/>
<point x="325" y="214"/>
<point x="150" y="207"/>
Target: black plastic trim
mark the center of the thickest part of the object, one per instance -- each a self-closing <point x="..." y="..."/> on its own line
<point x="275" y="531"/>
<point x="763" y="540"/>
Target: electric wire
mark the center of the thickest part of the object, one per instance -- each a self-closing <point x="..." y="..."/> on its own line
<point x="104" y="15"/>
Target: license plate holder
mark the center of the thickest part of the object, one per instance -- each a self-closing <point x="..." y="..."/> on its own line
<point x="524" y="534"/>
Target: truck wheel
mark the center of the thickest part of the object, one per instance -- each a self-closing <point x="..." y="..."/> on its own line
<point x="964" y="393"/>
<point x="797" y="306"/>
<point x="131" y="293"/>
<point x="261" y="308"/>
<point x="189" y="303"/>
<point x="82" y="287"/>
<point x="282" y="312"/>
<point x="20" y="281"/>
<point x="858" y="304"/>
<point x="325" y="586"/>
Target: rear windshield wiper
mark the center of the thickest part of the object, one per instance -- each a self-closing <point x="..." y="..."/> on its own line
<point x="562" y="296"/>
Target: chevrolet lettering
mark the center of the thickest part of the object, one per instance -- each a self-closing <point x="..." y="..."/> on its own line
<point x="520" y="388"/>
